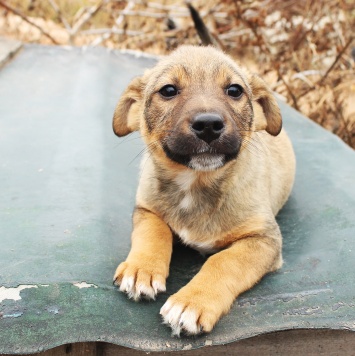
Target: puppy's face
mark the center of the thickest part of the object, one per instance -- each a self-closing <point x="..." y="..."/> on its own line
<point x="196" y="107"/>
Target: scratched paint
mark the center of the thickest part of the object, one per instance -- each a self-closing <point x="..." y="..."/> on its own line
<point x="14" y="315"/>
<point x="285" y="297"/>
<point x="13" y="293"/>
<point x="81" y="285"/>
<point x="304" y="311"/>
<point x="54" y="310"/>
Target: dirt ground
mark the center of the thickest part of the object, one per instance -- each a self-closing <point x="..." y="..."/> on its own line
<point x="305" y="50"/>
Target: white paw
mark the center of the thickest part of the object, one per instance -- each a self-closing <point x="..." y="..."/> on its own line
<point x="138" y="283"/>
<point x="181" y="319"/>
<point x="158" y="287"/>
<point x="127" y="286"/>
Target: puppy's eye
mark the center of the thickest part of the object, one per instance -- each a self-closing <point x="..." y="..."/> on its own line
<point x="235" y="91"/>
<point x="168" y="91"/>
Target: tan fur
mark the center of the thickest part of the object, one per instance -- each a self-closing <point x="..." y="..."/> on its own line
<point x="149" y="258"/>
<point x="229" y="211"/>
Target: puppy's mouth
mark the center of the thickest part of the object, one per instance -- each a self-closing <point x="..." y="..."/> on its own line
<point x="207" y="159"/>
<point x="204" y="142"/>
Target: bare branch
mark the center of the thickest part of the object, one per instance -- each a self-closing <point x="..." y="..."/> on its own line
<point x="60" y="15"/>
<point x="293" y="97"/>
<point x="90" y="13"/>
<point x="110" y="31"/>
<point x="336" y="59"/>
<point x="23" y="17"/>
<point x="118" y="21"/>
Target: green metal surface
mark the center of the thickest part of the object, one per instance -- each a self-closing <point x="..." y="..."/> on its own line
<point x="67" y="192"/>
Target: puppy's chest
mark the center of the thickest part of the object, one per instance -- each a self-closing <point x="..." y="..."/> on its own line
<point x="176" y="203"/>
<point x="193" y="211"/>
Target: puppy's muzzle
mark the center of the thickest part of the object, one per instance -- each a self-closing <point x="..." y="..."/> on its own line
<point x="204" y="141"/>
<point x="207" y="126"/>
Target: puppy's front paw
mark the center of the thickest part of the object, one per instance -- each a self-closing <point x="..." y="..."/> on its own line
<point x="189" y="314"/>
<point x="138" y="281"/>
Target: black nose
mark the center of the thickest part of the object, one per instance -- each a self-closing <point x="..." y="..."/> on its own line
<point x="207" y="126"/>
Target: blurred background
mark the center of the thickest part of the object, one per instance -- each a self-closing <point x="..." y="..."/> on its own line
<point x="305" y="50"/>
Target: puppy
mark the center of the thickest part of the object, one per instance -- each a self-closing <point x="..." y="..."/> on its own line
<point x="218" y="168"/>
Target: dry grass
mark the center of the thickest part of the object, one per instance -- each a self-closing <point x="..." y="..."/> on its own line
<point x="302" y="48"/>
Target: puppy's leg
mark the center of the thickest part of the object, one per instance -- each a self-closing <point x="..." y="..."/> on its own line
<point x="146" y="268"/>
<point x="197" y="307"/>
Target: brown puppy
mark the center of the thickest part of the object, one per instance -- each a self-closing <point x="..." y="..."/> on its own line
<point x="217" y="170"/>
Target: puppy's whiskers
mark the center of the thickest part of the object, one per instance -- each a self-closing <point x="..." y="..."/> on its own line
<point x="261" y="141"/>
<point x="251" y="146"/>
<point x="147" y="148"/>
<point x="150" y="149"/>
<point x="125" y="139"/>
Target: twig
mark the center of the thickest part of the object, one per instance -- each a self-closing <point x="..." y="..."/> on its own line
<point x="293" y="97"/>
<point x="234" y="33"/>
<point x="336" y="59"/>
<point x="60" y="15"/>
<point x="110" y="31"/>
<point x="161" y="15"/>
<point x="118" y="21"/>
<point x="346" y="124"/>
<point x="156" y="15"/>
<point x="155" y="5"/>
<point x="23" y="17"/>
<point x="91" y="12"/>
<point x="306" y="92"/>
<point x="78" y="14"/>
<point x="329" y="69"/>
<point x="304" y="78"/>
<point x="263" y="45"/>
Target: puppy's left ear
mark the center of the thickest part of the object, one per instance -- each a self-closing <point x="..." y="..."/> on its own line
<point x="269" y="118"/>
<point x="127" y="114"/>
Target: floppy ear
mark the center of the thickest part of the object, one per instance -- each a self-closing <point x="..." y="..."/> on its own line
<point x="270" y="117"/>
<point x="128" y="109"/>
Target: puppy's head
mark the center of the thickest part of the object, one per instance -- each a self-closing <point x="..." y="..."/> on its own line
<point x="195" y="108"/>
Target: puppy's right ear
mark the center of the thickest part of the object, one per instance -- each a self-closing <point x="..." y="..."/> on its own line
<point x="129" y="109"/>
